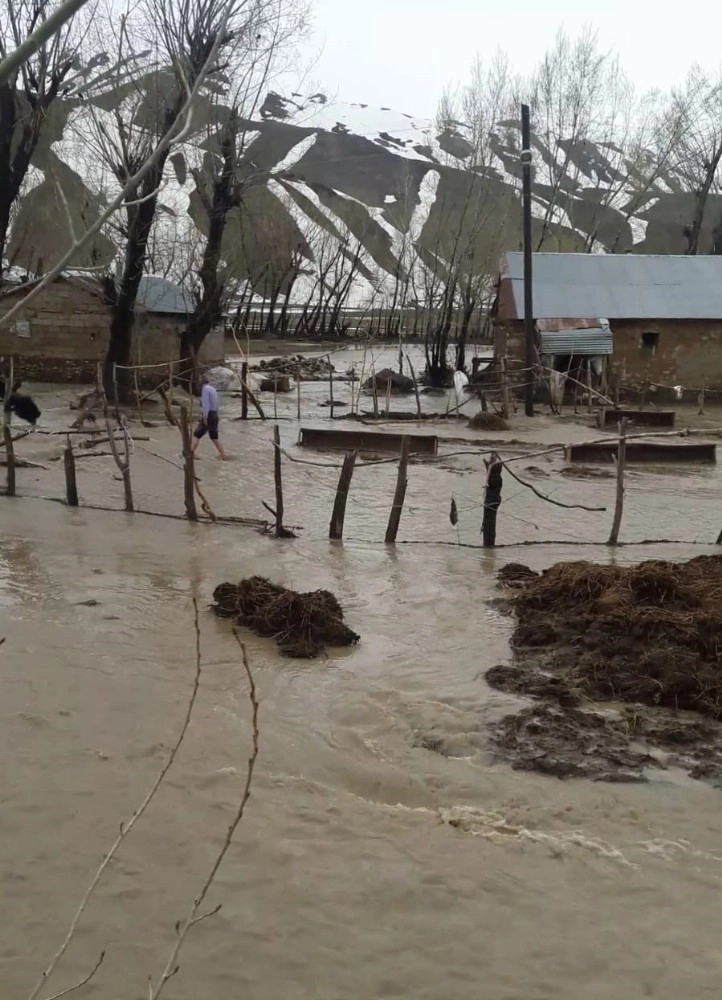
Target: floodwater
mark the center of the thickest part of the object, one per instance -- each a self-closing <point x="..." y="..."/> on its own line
<point x="365" y="867"/>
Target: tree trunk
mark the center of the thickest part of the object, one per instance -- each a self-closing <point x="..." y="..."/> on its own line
<point x="701" y="202"/>
<point x="123" y="316"/>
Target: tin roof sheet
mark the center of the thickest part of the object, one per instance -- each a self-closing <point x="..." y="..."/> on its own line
<point x="618" y="286"/>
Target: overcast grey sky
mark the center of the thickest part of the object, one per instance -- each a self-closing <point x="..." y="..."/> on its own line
<point x="403" y="53"/>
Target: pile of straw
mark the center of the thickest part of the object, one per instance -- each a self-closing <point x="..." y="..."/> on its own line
<point x="302" y="624"/>
<point x="650" y="633"/>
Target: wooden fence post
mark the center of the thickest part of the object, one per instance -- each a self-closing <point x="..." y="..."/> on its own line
<point x="621" y="461"/>
<point x="330" y="388"/>
<point x="492" y="500"/>
<point x="700" y="409"/>
<point x="504" y="389"/>
<point x="188" y="466"/>
<point x="590" y="408"/>
<point x="122" y="463"/>
<point x="71" y="486"/>
<point x="335" y="530"/>
<point x="7" y="433"/>
<point x="400" y="493"/>
<point x="244" y="391"/>
<point x="416" y="387"/>
<point x="277" y="478"/>
<point x="298" y="394"/>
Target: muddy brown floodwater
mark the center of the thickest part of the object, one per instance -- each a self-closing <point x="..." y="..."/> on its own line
<point x="367" y="866"/>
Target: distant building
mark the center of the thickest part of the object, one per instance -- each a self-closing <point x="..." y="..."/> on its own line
<point x="653" y="318"/>
<point x="64" y="332"/>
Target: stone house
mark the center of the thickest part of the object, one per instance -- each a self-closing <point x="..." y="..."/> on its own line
<point x="641" y="318"/>
<point x="64" y="332"/>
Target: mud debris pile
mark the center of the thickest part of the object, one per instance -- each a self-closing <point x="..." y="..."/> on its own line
<point x="487" y="421"/>
<point x="309" y="369"/>
<point x="615" y="653"/>
<point x="303" y="625"/>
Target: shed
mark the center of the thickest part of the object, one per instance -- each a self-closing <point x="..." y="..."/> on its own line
<point x="663" y="312"/>
<point x="63" y="333"/>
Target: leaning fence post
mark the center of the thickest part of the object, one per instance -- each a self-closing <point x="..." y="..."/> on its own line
<point x="188" y="470"/>
<point x="278" y="480"/>
<point x="335" y="530"/>
<point x="244" y="391"/>
<point x="400" y="493"/>
<point x="621" y="460"/>
<point x="492" y="500"/>
<point x="71" y="486"/>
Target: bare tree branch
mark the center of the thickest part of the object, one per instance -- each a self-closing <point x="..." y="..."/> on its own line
<point x="125" y="828"/>
<point x="171" y="966"/>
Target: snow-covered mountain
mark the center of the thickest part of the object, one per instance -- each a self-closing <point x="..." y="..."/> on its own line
<point x="408" y="199"/>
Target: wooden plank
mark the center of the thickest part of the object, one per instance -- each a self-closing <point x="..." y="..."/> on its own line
<point x="366" y="440"/>
<point x="644" y="451"/>
<point x="642" y="418"/>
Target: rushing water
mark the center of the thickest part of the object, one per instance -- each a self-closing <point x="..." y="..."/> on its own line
<point x="365" y="867"/>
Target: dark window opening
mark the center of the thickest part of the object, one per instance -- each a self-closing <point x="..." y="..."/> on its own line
<point x="650" y="340"/>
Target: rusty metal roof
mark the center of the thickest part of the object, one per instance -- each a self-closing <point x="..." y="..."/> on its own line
<point x="616" y="286"/>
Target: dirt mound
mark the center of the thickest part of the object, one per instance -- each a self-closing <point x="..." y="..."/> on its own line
<point x="309" y="369"/>
<point x="650" y="633"/>
<point x="487" y="422"/>
<point x="648" y="636"/>
<point x="569" y="743"/>
<point x="302" y="624"/>
<point x="387" y="376"/>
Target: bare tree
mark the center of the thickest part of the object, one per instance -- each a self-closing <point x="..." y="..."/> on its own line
<point x="37" y="96"/>
<point x="467" y="228"/>
<point x="226" y="172"/>
<point x="696" y="122"/>
<point x="187" y="33"/>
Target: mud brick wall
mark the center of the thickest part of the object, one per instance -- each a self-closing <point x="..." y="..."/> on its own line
<point x="64" y="332"/>
<point x="669" y="352"/>
<point x="686" y="352"/>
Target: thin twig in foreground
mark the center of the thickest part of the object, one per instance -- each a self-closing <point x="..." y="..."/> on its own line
<point x="83" y="982"/>
<point x="543" y="496"/>
<point x="127" y="827"/>
<point x="182" y="930"/>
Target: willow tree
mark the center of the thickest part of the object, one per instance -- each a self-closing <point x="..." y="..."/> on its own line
<point x="191" y="43"/>
<point x="37" y="98"/>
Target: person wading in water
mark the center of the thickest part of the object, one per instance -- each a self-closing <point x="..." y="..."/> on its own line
<point x="208" y="424"/>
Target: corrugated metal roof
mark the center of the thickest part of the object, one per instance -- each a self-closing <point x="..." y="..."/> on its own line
<point x="618" y="286"/>
<point x="159" y="295"/>
<point x="590" y="343"/>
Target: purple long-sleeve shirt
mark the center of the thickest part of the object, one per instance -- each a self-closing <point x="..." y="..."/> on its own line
<point x="209" y="400"/>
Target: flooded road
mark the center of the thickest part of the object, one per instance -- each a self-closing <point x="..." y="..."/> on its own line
<point x="366" y="866"/>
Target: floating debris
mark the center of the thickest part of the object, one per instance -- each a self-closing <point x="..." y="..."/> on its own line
<point x="302" y="624"/>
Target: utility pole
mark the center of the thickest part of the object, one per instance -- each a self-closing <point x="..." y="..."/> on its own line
<point x="528" y="297"/>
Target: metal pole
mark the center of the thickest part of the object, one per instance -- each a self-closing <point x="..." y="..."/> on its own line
<point x="528" y="297"/>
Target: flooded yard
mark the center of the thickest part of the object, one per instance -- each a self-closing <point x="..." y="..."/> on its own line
<point x="367" y="865"/>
